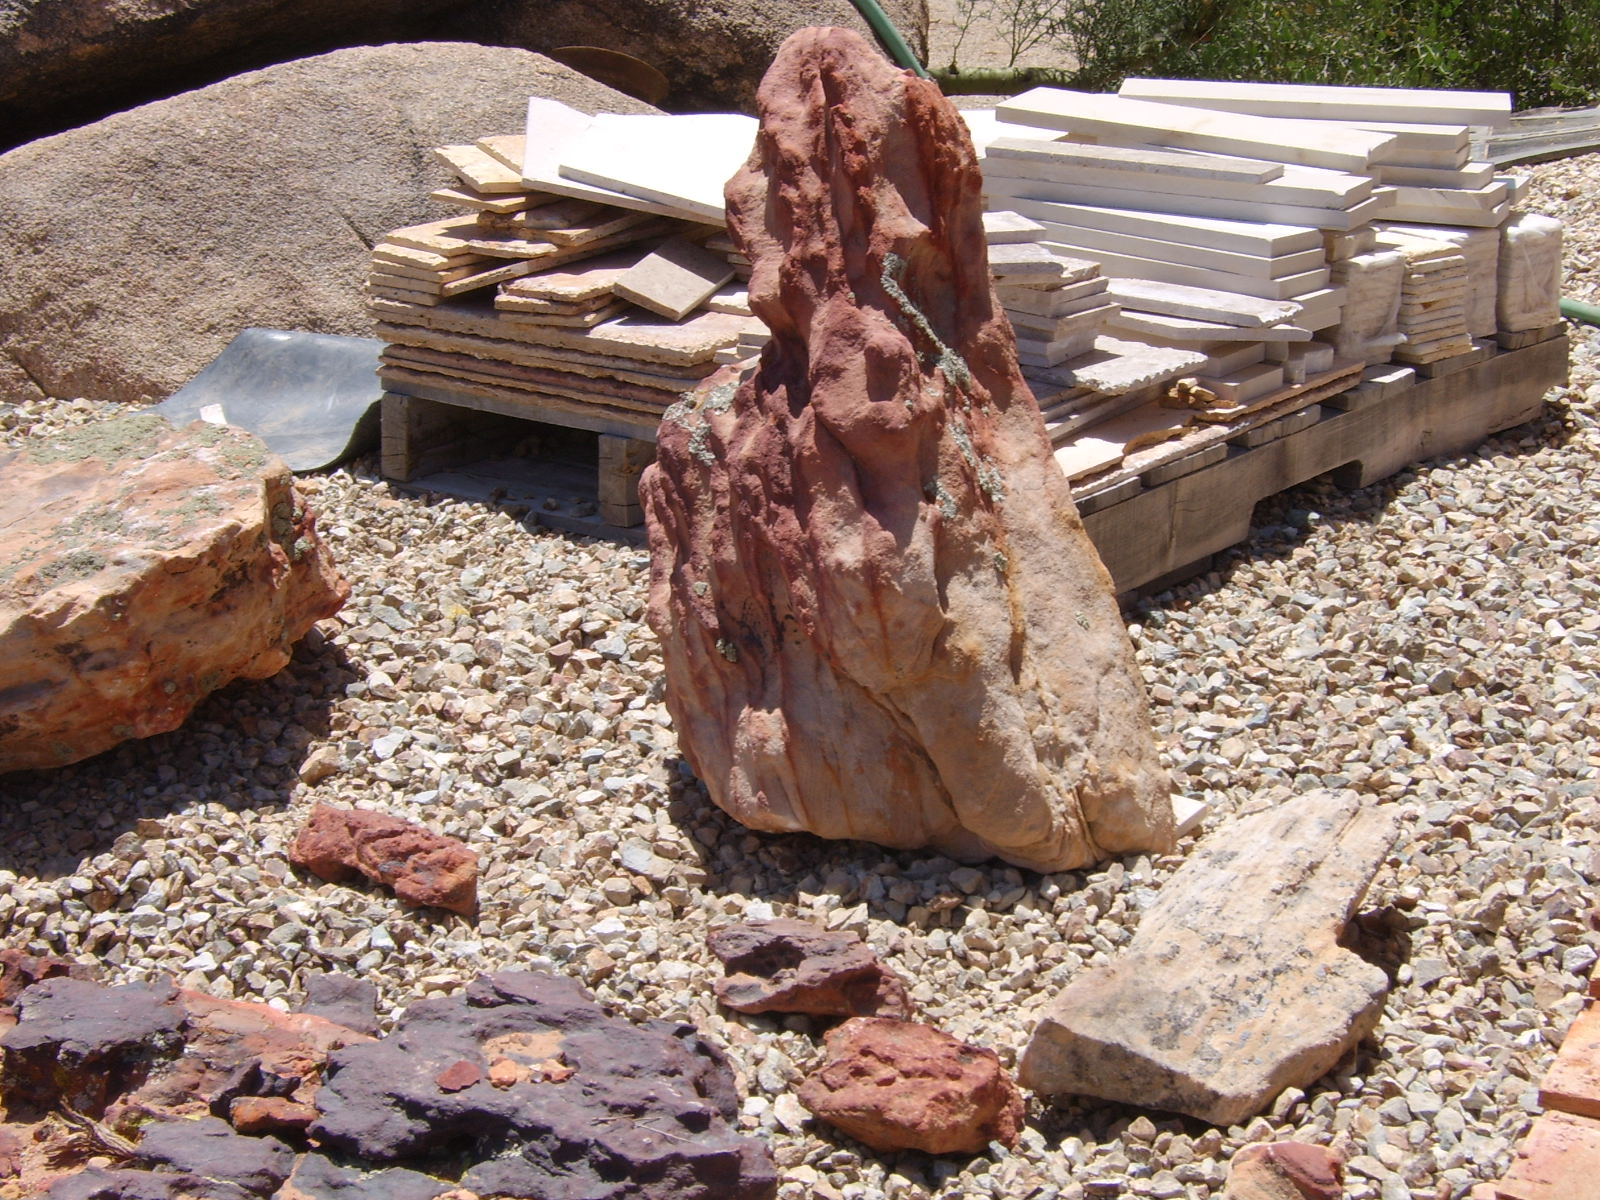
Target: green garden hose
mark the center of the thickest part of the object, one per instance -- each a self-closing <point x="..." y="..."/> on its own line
<point x="874" y="15"/>
<point x="1589" y="314"/>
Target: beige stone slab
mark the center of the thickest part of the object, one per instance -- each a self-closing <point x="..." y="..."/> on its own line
<point x="1139" y="163"/>
<point x="532" y="354"/>
<point x="1202" y="304"/>
<point x="533" y="404"/>
<point x="641" y="338"/>
<point x="560" y="383"/>
<point x="487" y="278"/>
<point x="1440" y="106"/>
<point x="560" y="212"/>
<point x="1051" y="302"/>
<point x="1000" y="228"/>
<point x="1182" y="253"/>
<point x="1305" y="186"/>
<point x="447" y="237"/>
<point x="674" y="279"/>
<point x="1015" y="261"/>
<point x="1120" y="119"/>
<point x="1262" y="239"/>
<point x="583" y="320"/>
<point x="1021" y="317"/>
<point x="553" y="129"/>
<point x="1055" y="329"/>
<point x="1107" y="442"/>
<point x="572" y="285"/>
<point x="1190" y="332"/>
<point x="733" y="299"/>
<point x="1019" y="193"/>
<point x="1246" y="383"/>
<point x="425" y="260"/>
<point x="506" y="148"/>
<point x="485" y="202"/>
<point x="538" y="246"/>
<point x="682" y="161"/>
<point x="431" y="275"/>
<point x="1129" y="266"/>
<point x="509" y="300"/>
<point x="385" y="289"/>
<point x="479" y="171"/>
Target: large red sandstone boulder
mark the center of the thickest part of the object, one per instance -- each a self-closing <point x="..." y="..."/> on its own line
<point x="899" y="1085"/>
<point x="141" y="568"/>
<point x="880" y="615"/>
<point x="423" y="867"/>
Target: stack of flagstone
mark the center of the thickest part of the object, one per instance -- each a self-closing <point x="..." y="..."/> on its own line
<point x="589" y="294"/>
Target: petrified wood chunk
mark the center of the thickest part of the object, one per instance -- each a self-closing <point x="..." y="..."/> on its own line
<point x="1235" y="985"/>
<point x="880" y="614"/>
<point x="141" y="568"/>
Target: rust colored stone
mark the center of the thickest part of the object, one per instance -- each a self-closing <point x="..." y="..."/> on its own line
<point x="880" y="615"/>
<point x="1573" y="1083"/>
<point x="458" y="1076"/>
<point x="145" y="567"/>
<point x="270" y="1114"/>
<point x="1285" y="1171"/>
<point x="423" y="868"/>
<point x="797" y="967"/>
<point x="899" y="1085"/>
<point x="1558" y="1160"/>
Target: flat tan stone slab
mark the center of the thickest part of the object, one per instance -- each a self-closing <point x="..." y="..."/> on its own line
<point x="674" y="279"/>
<point x="1234" y="987"/>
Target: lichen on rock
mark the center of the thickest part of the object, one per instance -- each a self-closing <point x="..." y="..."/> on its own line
<point x="881" y="617"/>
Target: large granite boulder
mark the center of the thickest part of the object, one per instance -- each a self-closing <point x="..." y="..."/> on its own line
<point x="141" y="568"/>
<point x="133" y="250"/>
<point x="66" y="62"/>
<point x="880" y="615"/>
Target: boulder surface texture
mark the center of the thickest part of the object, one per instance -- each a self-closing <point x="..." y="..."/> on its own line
<point x="134" y="249"/>
<point x="1234" y="986"/>
<point x="900" y="1085"/>
<point x="141" y="568"/>
<point x="797" y="967"/>
<point x="65" y="62"/>
<point x="880" y="615"/>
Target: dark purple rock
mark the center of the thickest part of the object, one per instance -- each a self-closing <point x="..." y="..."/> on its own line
<point x="797" y="967"/>
<point x="212" y="1150"/>
<point x="82" y="1043"/>
<point x="353" y="1003"/>
<point x="101" y="1183"/>
<point x="317" y="1178"/>
<point x="634" y="1111"/>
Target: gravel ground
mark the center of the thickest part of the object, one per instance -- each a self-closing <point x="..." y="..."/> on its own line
<point x="1429" y="640"/>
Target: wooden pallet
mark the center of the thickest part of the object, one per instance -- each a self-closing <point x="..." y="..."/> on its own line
<point x="1167" y="521"/>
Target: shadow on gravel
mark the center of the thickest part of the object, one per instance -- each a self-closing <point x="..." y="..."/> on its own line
<point x="241" y="749"/>
<point x="1283" y="521"/>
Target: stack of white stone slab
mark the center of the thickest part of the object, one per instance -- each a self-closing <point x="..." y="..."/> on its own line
<point x="1057" y="305"/>
<point x="1529" y="292"/>
<point x="1433" y="298"/>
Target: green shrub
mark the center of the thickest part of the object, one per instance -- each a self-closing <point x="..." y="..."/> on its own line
<point x="1544" y="52"/>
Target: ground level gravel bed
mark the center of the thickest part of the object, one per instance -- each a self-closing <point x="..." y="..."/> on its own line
<point x="1430" y="641"/>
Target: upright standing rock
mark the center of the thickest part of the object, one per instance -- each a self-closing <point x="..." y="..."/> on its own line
<point x="880" y="614"/>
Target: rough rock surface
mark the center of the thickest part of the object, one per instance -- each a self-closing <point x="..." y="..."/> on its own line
<point x="81" y="1043"/>
<point x="342" y="998"/>
<point x="1235" y="985"/>
<point x="423" y="868"/>
<point x="798" y="967"/>
<point x="141" y="568"/>
<point x="1285" y="1171"/>
<point x="316" y="1178"/>
<point x="69" y="61"/>
<point x="880" y="616"/>
<point x="900" y="1085"/>
<point x="210" y="1149"/>
<point x="251" y="202"/>
<point x="635" y="1110"/>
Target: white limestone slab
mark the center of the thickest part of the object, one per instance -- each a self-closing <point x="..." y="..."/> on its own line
<point x="1138" y="162"/>
<point x="1432" y="213"/>
<point x="1127" y="266"/>
<point x="1225" y="358"/>
<point x="1118" y="118"/>
<point x="1003" y="228"/>
<point x="1184" y="331"/>
<point x="1263" y="239"/>
<point x="1442" y="159"/>
<point x="1053" y="302"/>
<point x="1529" y="287"/>
<point x="678" y="160"/>
<point x="1302" y="359"/>
<point x="1473" y="175"/>
<point x="1481" y="250"/>
<point x="1412" y="135"/>
<point x="1324" y="102"/>
<point x="1203" y="304"/>
<point x="1369" y="322"/>
<point x="1055" y="329"/>
<point x="1028" y="316"/>
<point x="1340" y="245"/>
<point x="1116" y="366"/>
<point x="1036" y="352"/>
<point x="1245" y="384"/>
<point x="1024" y="260"/>
<point x="1190" y="255"/>
<point x="1011" y="192"/>
<point x="1307" y="186"/>
<point x="986" y="127"/>
<point x="553" y="128"/>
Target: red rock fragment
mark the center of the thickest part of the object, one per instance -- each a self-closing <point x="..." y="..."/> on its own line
<point x="270" y="1114"/>
<point x="424" y="868"/>
<point x="1558" y="1160"/>
<point x="900" y="1085"/>
<point x="458" y="1076"/>
<point x="797" y="967"/>
<point x="1285" y="1171"/>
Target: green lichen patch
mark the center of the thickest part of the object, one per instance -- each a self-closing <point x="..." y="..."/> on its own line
<point x="952" y="364"/>
<point x="71" y="567"/>
<point x="133" y="436"/>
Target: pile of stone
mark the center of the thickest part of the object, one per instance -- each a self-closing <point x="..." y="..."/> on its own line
<point x="606" y="259"/>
